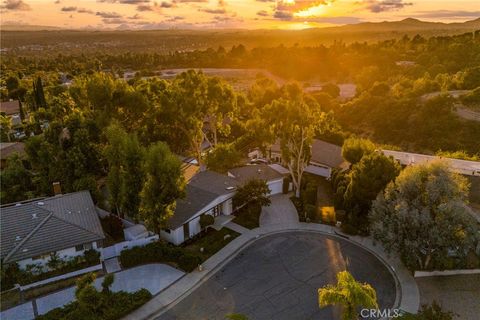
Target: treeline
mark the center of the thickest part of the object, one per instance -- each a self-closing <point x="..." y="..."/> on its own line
<point x="341" y="62"/>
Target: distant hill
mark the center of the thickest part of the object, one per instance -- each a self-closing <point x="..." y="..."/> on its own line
<point x="53" y="39"/>
<point x="26" y="27"/>
<point x="409" y="24"/>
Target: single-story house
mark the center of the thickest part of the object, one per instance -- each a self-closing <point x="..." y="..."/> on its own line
<point x="325" y="156"/>
<point x="274" y="177"/>
<point x="66" y="224"/>
<point x="12" y="110"/>
<point x="207" y="192"/>
<point x="9" y="148"/>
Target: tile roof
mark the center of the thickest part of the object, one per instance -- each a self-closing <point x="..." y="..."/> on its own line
<point x="256" y="171"/>
<point x="326" y="153"/>
<point x="41" y="226"/>
<point x="10" y="107"/>
<point x="204" y="188"/>
<point x="8" y="148"/>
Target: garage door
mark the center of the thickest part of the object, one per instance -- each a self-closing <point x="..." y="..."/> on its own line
<point x="275" y="186"/>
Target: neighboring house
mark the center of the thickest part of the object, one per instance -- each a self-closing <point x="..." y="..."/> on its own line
<point x="207" y="192"/>
<point x="9" y="148"/>
<point x="65" y="224"/>
<point x="12" y="110"/>
<point x="273" y="177"/>
<point x="470" y="168"/>
<point x="325" y="157"/>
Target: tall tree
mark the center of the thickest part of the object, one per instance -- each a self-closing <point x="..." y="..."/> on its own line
<point x="223" y="157"/>
<point x="38" y="94"/>
<point x="348" y="293"/>
<point x="294" y="122"/>
<point x="253" y="192"/>
<point x="365" y="180"/>
<point x="164" y="184"/>
<point x="422" y="216"/>
<point x="354" y="149"/>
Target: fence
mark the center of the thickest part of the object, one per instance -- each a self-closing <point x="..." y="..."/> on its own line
<point x="115" y="250"/>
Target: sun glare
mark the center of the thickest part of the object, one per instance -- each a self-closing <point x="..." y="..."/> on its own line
<point x="312" y="11"/>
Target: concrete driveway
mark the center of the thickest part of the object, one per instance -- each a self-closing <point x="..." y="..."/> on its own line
<point x="153" y="277"/>
<point x="277" y="277"/>
<point x="281" y="211"/>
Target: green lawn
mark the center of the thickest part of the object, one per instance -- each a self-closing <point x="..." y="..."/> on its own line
<point x="248" y="217"/>
<point x="211" y="241"/>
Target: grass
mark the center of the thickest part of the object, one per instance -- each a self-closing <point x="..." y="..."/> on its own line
<point x="248" y="217"/>
<point x="211" y="241"/>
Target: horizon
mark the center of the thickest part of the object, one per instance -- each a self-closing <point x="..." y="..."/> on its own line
<point x="225" y="14"/>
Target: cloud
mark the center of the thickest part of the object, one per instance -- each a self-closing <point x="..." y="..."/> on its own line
<point x="108" y="15"/>
<point x="125" y="1"/>
<point x="214" y="11"/>
<point x="283" y="15"/>
<point x="166" y="4"/>
<point x="262" y="13"/>
<point x="83" y="10"/>
<point x="447" y="14"/>
<point x="377" y="6"/>
<point x="333" y="20"/>
<point x="69" y="9"/>
<point x="15" y="5"/>
<point x="114" y="21"/>
<point x="135" y="17"/>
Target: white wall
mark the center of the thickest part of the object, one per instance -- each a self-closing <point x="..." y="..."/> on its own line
<point x="175" y="236"/>
<point x="63" y="254"/>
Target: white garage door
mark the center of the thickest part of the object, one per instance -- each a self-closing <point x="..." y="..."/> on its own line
<point x="275" y="187"/>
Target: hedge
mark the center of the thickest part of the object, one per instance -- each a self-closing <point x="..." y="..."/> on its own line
<point x="158" y="252"/>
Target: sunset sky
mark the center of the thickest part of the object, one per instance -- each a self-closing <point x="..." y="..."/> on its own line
<point x="249" y="14"/>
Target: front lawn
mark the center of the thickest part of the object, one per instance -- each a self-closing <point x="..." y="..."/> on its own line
<point x="186" y="257"/>
<point x="211" y="241"/>
<point x="248" y="216"/>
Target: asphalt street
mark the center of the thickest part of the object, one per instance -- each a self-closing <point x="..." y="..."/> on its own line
<point x="277" y="277"/>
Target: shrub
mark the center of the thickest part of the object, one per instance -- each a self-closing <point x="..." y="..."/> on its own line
<point x="309" y="196"/>
<point x="286" y="184"/>
<point x="189" y="262"/>
<point x="113" y="226"/>
<point x="349" y="229"/>
<point x="311" y="211"/>
<point x="92" y="257"/>
<point x="206" y="220"/>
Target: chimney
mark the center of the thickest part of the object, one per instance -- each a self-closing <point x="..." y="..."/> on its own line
<point x="57" y="189"/>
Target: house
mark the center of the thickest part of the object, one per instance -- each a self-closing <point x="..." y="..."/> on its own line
<point x="272" y="175"/>
<point x="207" y="192"/>
<point x="11" y="109"/>
<point x="66" y="224"/>
<point x="9" y="148"/>
<point x="324" y="157"/>
<point x="465" y="167"/>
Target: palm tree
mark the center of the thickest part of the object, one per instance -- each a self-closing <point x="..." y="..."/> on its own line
<point x="348" y="293"/>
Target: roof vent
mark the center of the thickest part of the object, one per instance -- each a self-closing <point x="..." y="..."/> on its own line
<point x="40" y="203"/>
<point x="18" y="204"/>
<point x="24" y="250"/>
<point x="230" y="188"/>
<point x="34" y="215"/>
<point x="18" y="238"/>
<point x="69" y="212"/>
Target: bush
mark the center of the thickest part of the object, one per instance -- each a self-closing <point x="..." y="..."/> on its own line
<point x="206" y="220"/>
<point x="159" y="252"/>
<point x="309" y="196"/>
<point x="113" y="226"/>
<point x="92" y="257"/>
<point x="311" y="211"/>
<point x="349" y="229"/>
<point x="286" y="184"/>
<point x="189" y="262"/>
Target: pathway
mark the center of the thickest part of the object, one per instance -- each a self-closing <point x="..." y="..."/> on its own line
<point x="153" y="277"/>
<point x="236" y="227"/>
<point x="280" y="211"/>
<point x="112" y="265"/>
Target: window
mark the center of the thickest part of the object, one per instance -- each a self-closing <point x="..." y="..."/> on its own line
<point x="42" y="256"/>
<point x="79" y="248"/>
<point x="166" y="230"/>
<point x="87" y="246"/>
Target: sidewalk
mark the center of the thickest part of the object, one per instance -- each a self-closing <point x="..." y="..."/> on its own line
<point x="407" y="292"/>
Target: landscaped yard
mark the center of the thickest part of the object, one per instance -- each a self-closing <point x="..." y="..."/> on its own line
<point x="248" y="216"/>
<point x="211" y="242"/>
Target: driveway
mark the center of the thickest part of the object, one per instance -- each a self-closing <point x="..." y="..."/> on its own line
<point x="280" y="211"/>
<point x="277" y="277"/>
<point x="153" y="277"/>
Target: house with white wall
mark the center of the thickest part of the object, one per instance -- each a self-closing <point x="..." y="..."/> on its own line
<point x="66" y="225"/>
<point x="324" y="158"/>
<point x="207" y="192"/>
